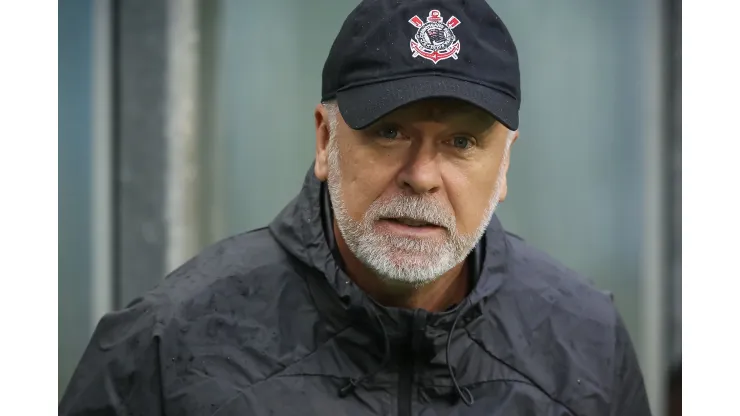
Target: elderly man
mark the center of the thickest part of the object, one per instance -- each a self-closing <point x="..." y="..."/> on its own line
<point x="387" y="286"/>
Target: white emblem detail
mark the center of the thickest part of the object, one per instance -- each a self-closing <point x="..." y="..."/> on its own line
<point x="434" y="40"/>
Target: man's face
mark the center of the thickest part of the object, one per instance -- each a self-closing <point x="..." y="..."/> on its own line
<point x="413" y="193"/>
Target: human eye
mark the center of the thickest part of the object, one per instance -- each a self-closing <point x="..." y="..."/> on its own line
<point x="389" y="133"/>
<point x="462" y="142"/>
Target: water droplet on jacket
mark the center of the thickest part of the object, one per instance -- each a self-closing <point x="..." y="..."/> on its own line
<point x="579" y="381"/>
<point x="173" y="359"/>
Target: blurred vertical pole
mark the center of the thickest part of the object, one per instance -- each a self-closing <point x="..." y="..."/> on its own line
<point x="673" y="121"/>
<point x="182" y="204"/>
<point x="140" y="70"/>
<point x="155" y="124"/>
<point x="102" y="230"/>
<point x="655" y="260"/>
<point x="211" y="205"/>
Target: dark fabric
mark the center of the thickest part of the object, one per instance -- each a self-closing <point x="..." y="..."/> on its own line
<point x="380" y="59"/>
<point x="364" y="105"/>
<point x="267" y="323"/>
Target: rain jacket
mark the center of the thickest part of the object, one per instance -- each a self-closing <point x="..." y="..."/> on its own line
<point x="268" y="323"/>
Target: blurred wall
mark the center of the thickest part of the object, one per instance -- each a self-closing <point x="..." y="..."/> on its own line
<point x="267" y="81"/>
<point x="75" y="135"/>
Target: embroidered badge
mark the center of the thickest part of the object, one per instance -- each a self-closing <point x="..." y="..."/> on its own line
<point x="435" y="40"/>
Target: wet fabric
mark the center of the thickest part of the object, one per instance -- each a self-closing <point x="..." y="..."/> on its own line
<point x="268" y="323"/>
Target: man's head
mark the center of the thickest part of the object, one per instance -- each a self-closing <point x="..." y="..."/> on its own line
<point x="413" y="193"/>
<point x="421" y="102"/>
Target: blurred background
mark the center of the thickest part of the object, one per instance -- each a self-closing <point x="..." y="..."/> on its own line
<point x="182" y="122"/>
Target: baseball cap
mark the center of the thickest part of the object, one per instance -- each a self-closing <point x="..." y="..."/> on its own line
<point x="391" y="53"/>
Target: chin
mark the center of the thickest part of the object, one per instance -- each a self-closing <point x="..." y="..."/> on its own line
<point x="406" y="277"/>
<point x="404" y="260"/>
<point x="409" y="268"/>
<point x="411" y="259"/>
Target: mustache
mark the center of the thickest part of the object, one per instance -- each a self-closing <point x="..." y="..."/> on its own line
<point x="412" y="207"/>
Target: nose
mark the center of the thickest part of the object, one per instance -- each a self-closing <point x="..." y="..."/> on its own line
<point x="421" y="171"/>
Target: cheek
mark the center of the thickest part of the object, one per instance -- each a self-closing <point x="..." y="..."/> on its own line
<point x="469" y="200"/>
<point x="362" y="182"/>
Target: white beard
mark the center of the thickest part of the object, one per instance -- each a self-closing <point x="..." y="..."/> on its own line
<point x="405" y="260"/>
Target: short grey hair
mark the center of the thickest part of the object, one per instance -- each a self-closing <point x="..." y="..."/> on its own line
<point x="332" y="110"/>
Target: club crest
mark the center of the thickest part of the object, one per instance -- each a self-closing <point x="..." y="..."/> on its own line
<point x="434" y="40"/>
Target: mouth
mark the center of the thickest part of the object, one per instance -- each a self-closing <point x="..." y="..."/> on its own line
<point x="411" y="227"/>
<point x="410" y="222"/>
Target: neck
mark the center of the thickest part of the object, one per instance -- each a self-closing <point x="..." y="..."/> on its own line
<point x="438" y="295"/>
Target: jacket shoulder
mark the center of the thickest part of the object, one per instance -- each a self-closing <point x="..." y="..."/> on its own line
<point x="571" y="340"/>
<point x="228" y="279"/>
<point x="215" y="301"/>
<point x="538" y="275"/>
<point x="231" y="265"/>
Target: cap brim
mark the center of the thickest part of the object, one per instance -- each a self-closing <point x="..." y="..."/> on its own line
<point x="362" y="106"/>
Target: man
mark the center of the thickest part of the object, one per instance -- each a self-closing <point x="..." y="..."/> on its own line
<point x="387" y="286"/>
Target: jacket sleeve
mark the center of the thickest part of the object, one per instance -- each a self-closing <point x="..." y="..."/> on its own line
<point x="119" y="372"/>
<point x="629" y="396"/>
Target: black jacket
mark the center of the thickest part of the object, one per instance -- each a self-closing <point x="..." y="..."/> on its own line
<point x="267" y="323"/>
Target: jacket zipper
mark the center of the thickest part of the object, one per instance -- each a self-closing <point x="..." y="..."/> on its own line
<point x="405" y="380"/>
<point x="406" y="375"/>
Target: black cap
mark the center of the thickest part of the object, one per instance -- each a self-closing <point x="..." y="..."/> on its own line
<point x="390" y="53"/>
